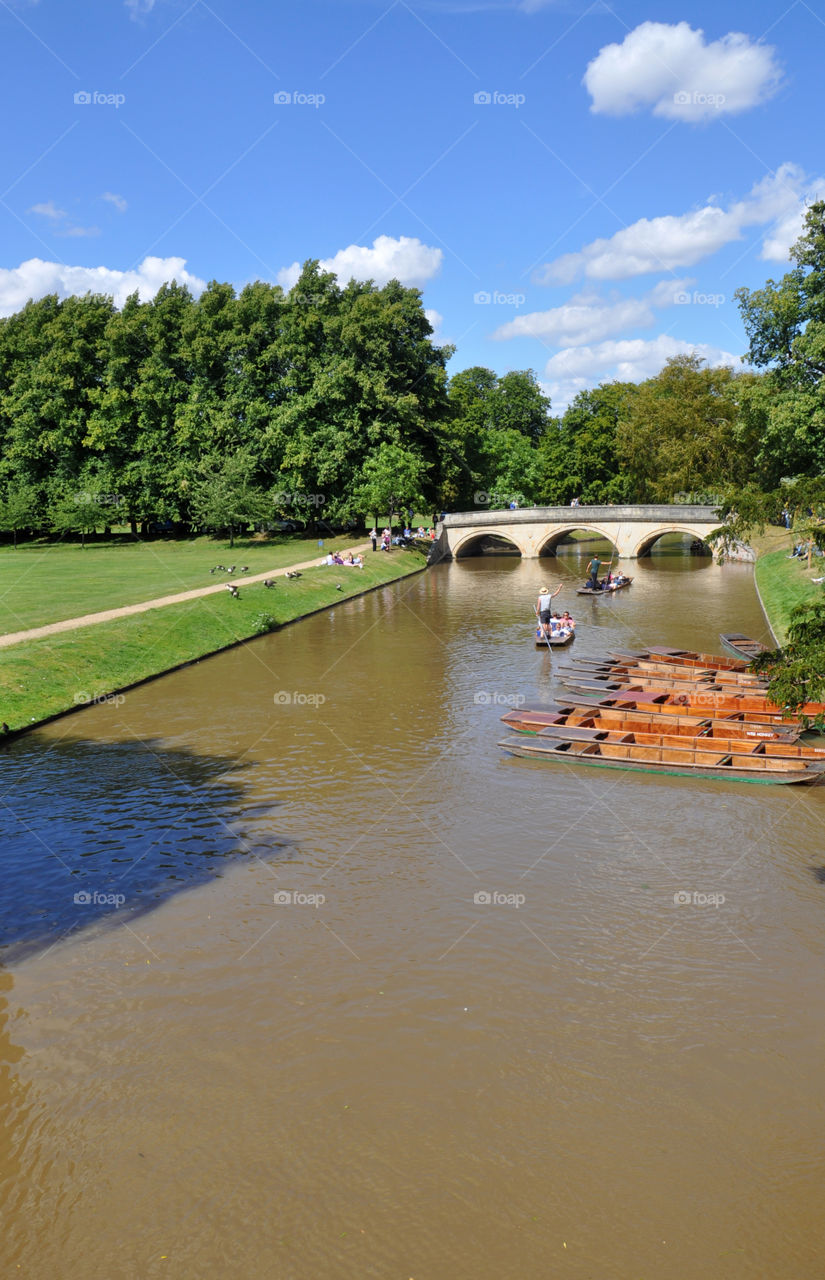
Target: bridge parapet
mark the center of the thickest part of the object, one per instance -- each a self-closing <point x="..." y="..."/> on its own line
<point x="536" y="531"/>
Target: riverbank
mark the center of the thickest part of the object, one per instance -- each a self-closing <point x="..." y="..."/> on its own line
<point x="47" y="677"/>
<point x="783" y="583"/>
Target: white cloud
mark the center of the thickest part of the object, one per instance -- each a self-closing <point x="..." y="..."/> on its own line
<point x="48" y="210"/>
<point x="436" y="320"/>
<point x="138" y="8"/>
<point x="79" y="231"/>
<point x="626" y="360"/>
<point x="680" y="240"/>
<point x="35" y="278"/>
<point x="587" y="317"/>
<point x="672" y="69"/>
<point x="118" y="201"/>
<point x="405" y="259"/>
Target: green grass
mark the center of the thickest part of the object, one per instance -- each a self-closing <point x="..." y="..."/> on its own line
<point x="43" y="677"/>
<point x="48" y="582"/>
<point x="785" y="583"/>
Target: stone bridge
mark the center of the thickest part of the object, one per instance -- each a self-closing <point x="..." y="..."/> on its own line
<point x="537" y="531"/>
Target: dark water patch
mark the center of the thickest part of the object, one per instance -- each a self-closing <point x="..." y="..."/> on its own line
<point x="98" y="833"/>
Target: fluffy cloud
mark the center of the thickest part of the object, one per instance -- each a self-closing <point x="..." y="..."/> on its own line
<point x="673" y="70"/>
<point x="405" y="259"/>
<point x="626" y="360"/>
<point x="587" y="317"/>
<point x="48" y="209"/>
<point x="118" y="201"/>
<point x="35" y="278"/>
<point x="778" y="202"/>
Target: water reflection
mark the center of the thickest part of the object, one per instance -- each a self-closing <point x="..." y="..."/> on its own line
<point x="97" y="831"/>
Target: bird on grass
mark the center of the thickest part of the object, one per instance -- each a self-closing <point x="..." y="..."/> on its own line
<point x="338" y="587"/>
<point x="290" y="573"/>
<point x="219" y="568"/>
<point x="233" y="590"/>
<point x="244" y="568"/>
<point x="268" y="582"/>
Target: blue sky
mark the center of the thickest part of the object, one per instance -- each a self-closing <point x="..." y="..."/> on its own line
<point x="577" y="188"/>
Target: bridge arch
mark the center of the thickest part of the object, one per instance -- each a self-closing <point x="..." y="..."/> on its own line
<point x="549" y="544"/>
<point x="652" y="536"/>
<point x="472" y="542"/>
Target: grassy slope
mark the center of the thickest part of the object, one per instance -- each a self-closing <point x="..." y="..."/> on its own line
<point x="51" y="581"/>
<point x="44" y="677"/>
<point x="783" y="583"/>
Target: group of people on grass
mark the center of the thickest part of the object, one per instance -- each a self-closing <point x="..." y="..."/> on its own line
<point x="349" y="561"/>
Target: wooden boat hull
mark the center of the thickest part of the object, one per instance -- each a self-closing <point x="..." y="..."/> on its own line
<point x="663" y="671"/>
<point x="682" y="657"/>
<point x="701" y="743"/>
<point x="700" y="698"/>
<point x="742" y="647"/>
<point x="612" y="718"/>
<point x="665" y="703"/>
<point x="709" y="765"/>
<point x="555" y="641"/>
<point x="604" y="591"/>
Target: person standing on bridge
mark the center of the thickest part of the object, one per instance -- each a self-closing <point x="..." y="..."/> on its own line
<point x="593" y="570"/>
<point x="544" y="605"/>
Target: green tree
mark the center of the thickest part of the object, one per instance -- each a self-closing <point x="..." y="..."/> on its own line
<point x="391" y="478"/>
<point x="785" y="324"/>
<point x="224" y="495"/>
<point x="19" y="510"/>
<point x="578" y="455"/>
<point x="679" y="433"/>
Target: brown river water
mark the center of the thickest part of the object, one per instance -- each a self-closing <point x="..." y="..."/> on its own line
<point x="389" y="1076"/>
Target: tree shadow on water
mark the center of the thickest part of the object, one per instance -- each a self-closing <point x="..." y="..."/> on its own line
<point x="95" y="833"/>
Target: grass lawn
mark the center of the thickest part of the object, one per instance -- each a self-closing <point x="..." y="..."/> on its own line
<point x="784" y="583"/>
<point x="43" y="677"/>
<point x="48" y="582"/>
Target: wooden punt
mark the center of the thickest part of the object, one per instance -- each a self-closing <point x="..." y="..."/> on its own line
<point x="698" y="697"/>
<point x="701" y="742"/>
<point x="643" y="668"/>
<point x="526" y="721"/>
<point x="682" y="657"/>
<point x="742" y="647"/>
<point x="682" y="761"/>
<point x="557" y="640"/>
<point x="604" y="591"/>
<point x="666" y="702"/>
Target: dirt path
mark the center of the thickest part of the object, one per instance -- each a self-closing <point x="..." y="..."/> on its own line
<point x="92" y="619"/>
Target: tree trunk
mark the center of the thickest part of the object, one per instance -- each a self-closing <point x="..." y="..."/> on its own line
<point x="133" y="529"/>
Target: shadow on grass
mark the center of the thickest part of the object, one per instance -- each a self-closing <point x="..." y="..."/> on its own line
<point x="96" y="834"/>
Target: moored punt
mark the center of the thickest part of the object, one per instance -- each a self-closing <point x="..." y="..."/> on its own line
<point x="668" y="703"/>
<point x="742" y="646"/>
<point x="682" y="657"/>
<point x="645" y="669"/>
<point x="710" y="700"/>
<point x="683" y="761"/>
<point x="604" y="591"/>
<point x="604" y="717"/>
<point x="701" y="742"/>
